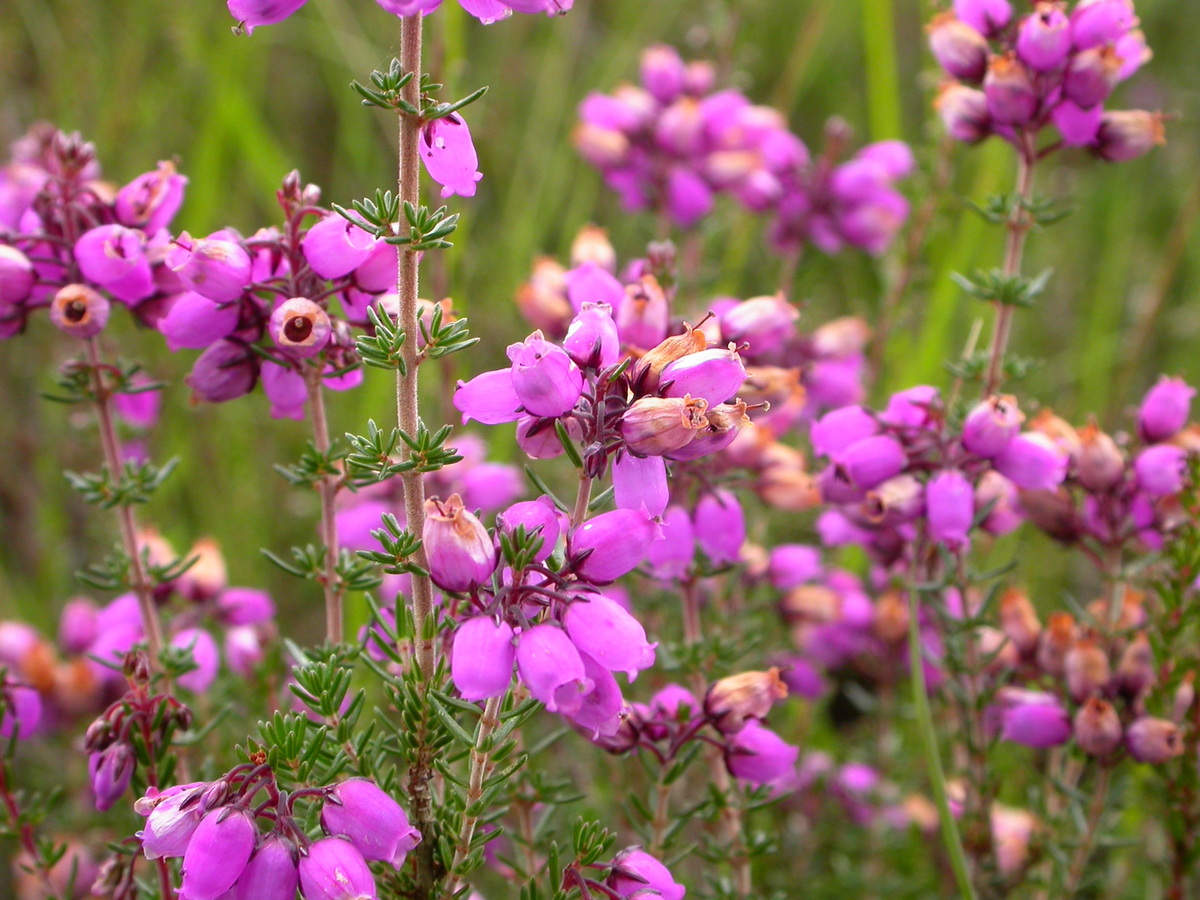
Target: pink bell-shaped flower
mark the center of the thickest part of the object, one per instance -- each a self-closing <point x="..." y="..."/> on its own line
<point x="457" y="546"/>
<point x="371" y="820"/>
<point x="334" y="869"/>
<point x="217" y="853"/>
<point x="449" y="155"/>
<point x="482" y="657"/>
<point x="271" y="874"/>
<point x="551" y="667"/>
<point x="601" y="628"/>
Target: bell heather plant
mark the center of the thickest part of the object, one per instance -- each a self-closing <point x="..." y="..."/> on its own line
<point x="673" y="591"/>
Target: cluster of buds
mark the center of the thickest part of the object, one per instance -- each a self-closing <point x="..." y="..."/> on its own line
<point x="892" y="470"/>
<point x="1013" y="77"/>
<point x="252" y="13"/>
<point x="140" y="717"/>
<point x="1121" y="490"/>
<point x="838" y="629"/>
<point x="673" y="143"/>
<point x="233" y="839"/>
<point x="1090" y="682"/>
<point x="729" y="717"/>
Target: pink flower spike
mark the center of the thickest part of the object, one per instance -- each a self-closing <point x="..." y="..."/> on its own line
<point x="252" y="13"/>
<point x="449" y="156"/>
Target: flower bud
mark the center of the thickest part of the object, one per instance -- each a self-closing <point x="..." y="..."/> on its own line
<point x="950" y="508"/>
<point x="223" y="372"/>
<point x="79" y="311"/>
<point x="653" y="426"/>
<point x="1153" y="740"/>
<point x="1161" y="469"/>
<point x="16" y="277"/>
<point x="731" y="701"/>
<point x="635" y="873"/>
<point x="217" y="853"/>
<point x="334" y="869"/>
<point x="958" y="48"/>
<point x="662" y="72"/>
<point x="1091" y="76"/>
<point x="592" y="340"/>
<point x="1129" y="133"/>
<point x="110" y="771"/>
<point x="1097" y="727"/>
<point x="602" y="629"/>
<point x="1034" y="719"/>
<point x="219" y="269"/>
<point x="917" y="407"/>
<point x="546" y="381"/>
<point x="1135" y="671"/>
<point x="757" y="755"/>
<point x="1044" y="38"/>
<point x="964" y="113"/>
<point x="1011" y="96"/>
<point x="1056" y="641"/>
<point x="300" y="328"/>
<point x="1096" y="22"/>
<point x="1101" y="463"/>
<point x="371" y="820"/>
<point x="1165" y="409"/>
<point x="991" y="425"/>
<point x="1019" y="621"/>
<point x="1087" y="669"/>
<point x="457" y="546"/>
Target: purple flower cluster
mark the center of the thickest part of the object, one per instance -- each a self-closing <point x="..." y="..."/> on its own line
<point x="215" y="828"/>
<point x="253" y="13"/>
<point x="672" y="144"/>
<point x="1015" y="76"/>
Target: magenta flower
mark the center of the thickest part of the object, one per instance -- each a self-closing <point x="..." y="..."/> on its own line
<point x="601" y="628"/>
<point x="640" y="482"/>
<point x="217" y="853"/>
<point x="482" y="657"/>
<point x="1034" y="719"/>
<point x="539" y="517"/>
<point x="670" y="558"/>
<point x="223" y="372"/>
<point x="204" y="653"/>
<point x="150" y="201"/>
<point x="607" y="546"/>
<point x="1165" y="409"/>
<point x="635" y="873"/>
<point x="491" y="399"/>
<point x="334" y="869"/>
<point x="271" y="874"/>
<point x="714" y="375"/>
<point x="592" y="338"/>
<point x="1031" y="461"/>
<point x="16" y="278"/>
<point x="758" y="755"/>
<point x="79" y="311"/>
<point x="300" y="328"/>
<point x="172" y="818"/>
<point x="215" y="267"/>
<point x="252" y="13"/>
<point x="991" y="424"/>
<point x="110" y="772"/>
<point x="546" y="381"/>
<point x="194" y="322"/>
<point x="449" y="155"/>
<point x="551" y="667"/>
<point x="457" y="546"/>
<point x="22" y="710"/>
<point x="371" y="820"/>
<point x="720" y="527"/>
<point x="600" y="711"/>
<point x="950" y="508"/>
<point x="244" y="606"/>
<point x="114" y="258"/>
<point x="335" y="247"/>
<point x="1161" y="469"/>
<point x="986" y="16"/>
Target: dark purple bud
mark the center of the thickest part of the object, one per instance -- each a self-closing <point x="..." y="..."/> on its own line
<point x="715" y="375"/>
<point x="636" y="874"/>
<point x="1034" y="719"/>
<point x="1128" y="133"/>
<point x="720" y="527"/>
<point x="654" y="426"/>
<point x="958" y="48"/>
<point x="1091" y="76"/>
<point x="546" y="381"/>
<point x="640" y="481"/>
<point x="551" y="668"/>
<point x="1165" y="409"/>
<point x="1011" y="96"/>
<point x="371" y="820"/>
<point x="110" y="772"/>
<point x="449" y="155"/>
<point x="1153" y="740"/>
<point x="150" y="201"/>
<point x="223" y="372"/>
<point x="300" y="328"/>
<point x="1097" y="727"/>
<point x="614" y="543"/>
<point x="601" y="628"/>
<point x="988" y="17"/>
<point x="114" y="258"/>
<point x="490" y="398"/>
<point x="218" y="269"/>
<point x="333" y="869"/>
<point x="872" y="460"/>
<point x="1044" y="38"/>
<point x="734" y="700"/>
<point x="335" y="247"/>
<point x="217" y="853"/>
<point x="272" y="872"/>
<point x="991" y="425"/>
<point x="964" y="113"/>
<point x="252" y="13"/>
<point x="482" y="657"/>
<point x="16" y="277"/>
<point x="950" y="507"/>
<point x="758" y="755"/>
<point x="1161" y="470"/>
<point x="79" y="311"/>
<point x="1032" y="462"/>
<point x="457" y="546"/>
<point x="592" y="340"/>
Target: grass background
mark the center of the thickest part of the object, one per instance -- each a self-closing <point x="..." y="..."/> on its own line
<point x="157" y="79"/>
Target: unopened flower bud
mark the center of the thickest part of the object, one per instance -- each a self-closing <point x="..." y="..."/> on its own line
<point x="950" y="508"/>
<point x="1129" y="133"/>
<point x="592" y="340"/>
<point x="1154" y="740"/>
<point x="79" y="311"/>
<point x="1165" y="409"/>
<point x="1034" y="719"/>
<point x="457" y="546"/>
<point x="1012" y="98"/>
<point x="1101" y="464"/>
<point x="1091" y="76"/>
<point x="1135" y="671"/>
<point x="1056" y="640"/>
<point x="300" y="328"/>
<point x="964" y="113"/>
<point x="1097" y="727"/>
<point x="1019" y="621"/>
<point x="218" y="269"/>
<point x="653" y="426"/>
<point x="747" y="695"/>
<point x="1087" y="669"/>
<point x="958" y="48"/>
<point x="110" y="771"/>
<point x="1161" y="469"/>
<point x="224" y="371"/>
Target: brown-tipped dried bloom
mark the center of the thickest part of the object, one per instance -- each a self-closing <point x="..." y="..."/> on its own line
<point x="747" y="695"/>
<point x="1019" y="620"/>
<point x="653" y="426"/>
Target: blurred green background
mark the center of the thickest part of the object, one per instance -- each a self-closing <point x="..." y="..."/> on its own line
<point x="159" y="79"/>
